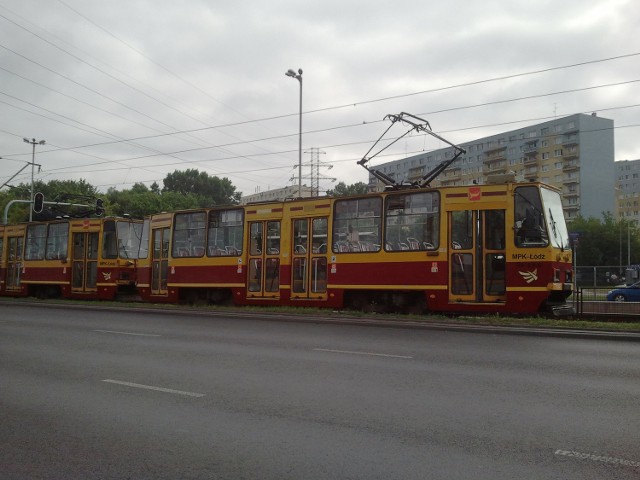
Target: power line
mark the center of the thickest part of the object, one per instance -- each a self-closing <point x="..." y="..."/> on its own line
<point x="112" y="76"/>
<point x="463" y="107"/>
<point x="350" y="144"/>
<point x="478" y="82"/>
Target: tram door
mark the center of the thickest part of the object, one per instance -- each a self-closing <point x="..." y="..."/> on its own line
<point x="85" y="262"/>
<point x="160" y="260"/>
<point x="15" y="247"/>
<point x="309" y="258"/>
<point x="477" y="256"/>
<point x="264" y="259"/>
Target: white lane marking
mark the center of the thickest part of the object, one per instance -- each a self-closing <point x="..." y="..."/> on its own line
<point x="597" y="458"/>
<point x="157" y="389"/>
<point x="128" y="333"/>
<point x="359" y="353"/>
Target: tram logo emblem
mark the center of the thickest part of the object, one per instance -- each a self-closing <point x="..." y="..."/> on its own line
<point x="530" y="276"/>
<point x="474" y="194"/>
<point x="107" y="276"/>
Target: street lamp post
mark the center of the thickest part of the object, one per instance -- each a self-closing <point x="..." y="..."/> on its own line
<point x="298" y="76"/>
<point x="33" y="142"/>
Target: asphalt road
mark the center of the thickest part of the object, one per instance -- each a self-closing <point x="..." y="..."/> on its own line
<point x="126" y="395"/>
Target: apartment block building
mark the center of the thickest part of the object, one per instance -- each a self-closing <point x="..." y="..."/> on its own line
<point x="627" y="181"/>
<point x="574" y="154"/>
<point x="277" y="195"/>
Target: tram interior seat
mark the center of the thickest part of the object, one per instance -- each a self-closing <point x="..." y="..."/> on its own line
<point x="414" y="244"/>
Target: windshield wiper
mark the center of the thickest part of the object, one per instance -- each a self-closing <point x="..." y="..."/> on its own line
<point x="554" y="230"/>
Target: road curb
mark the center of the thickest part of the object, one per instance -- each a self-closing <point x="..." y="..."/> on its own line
<point x="344" y="319"/>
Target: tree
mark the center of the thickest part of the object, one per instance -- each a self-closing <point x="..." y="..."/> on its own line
<point x="210" y="190"/>
<point x="603" y="242"/>
<point x="139" y="201"/>
<point x="63" y="191"/>
<point x="341" y="189"/>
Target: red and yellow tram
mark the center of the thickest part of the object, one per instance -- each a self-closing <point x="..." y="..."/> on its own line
<point x="495" y="248"/>
<point x="71" y="258"/>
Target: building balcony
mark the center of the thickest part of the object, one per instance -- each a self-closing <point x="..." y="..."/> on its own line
<point x="570" y="153"/>
<point x="449" y="182"/>
<point x="570" y="166"/>
<point x="530" y="160"/>
<point x="530" y="148"/>
<point x="495" y="156"/>
<point x="494" y="170"/>
<point x="496" y="147"/>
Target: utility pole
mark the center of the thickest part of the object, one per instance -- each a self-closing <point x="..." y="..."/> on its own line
<point x="33" y="142"/>
<point x="315" y="167"/>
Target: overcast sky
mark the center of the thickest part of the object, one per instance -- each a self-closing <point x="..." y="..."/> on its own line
<point x="128" y="91"/>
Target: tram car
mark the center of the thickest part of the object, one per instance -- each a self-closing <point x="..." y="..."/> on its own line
<point x="495" y="248"/>
<point x="90" y="258"/>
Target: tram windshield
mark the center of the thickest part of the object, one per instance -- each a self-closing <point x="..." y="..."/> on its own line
<point x="129" y="234"/>
<point x="558" y="233"/>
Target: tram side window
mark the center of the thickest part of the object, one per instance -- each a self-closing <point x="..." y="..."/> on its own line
<point x="356" y="225"/>
<point x="319" y="235"/>
<point x="273" y="238"/>
<point x="109" y="240"/>
<point x="15" y="247"/>
<point x="188" y="234"/>
<point x="36" y="241"/>
<point x="530" y="228"/>
<point x="412" y="221"/>
<point x="462" y="230"/>
<point x="57" y="241"/>
<point x="225" y="233"/>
